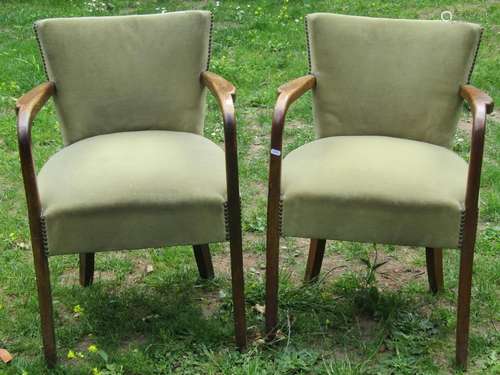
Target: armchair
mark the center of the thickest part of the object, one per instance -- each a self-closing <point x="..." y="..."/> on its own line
<point x="386" y="96"/>
<point x="135" y="170"/>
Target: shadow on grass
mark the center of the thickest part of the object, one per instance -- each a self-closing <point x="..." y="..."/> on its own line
<point x="162" y="311"/>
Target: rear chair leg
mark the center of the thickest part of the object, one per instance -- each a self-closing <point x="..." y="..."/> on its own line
<point x="86" y="269"/>
<point x="204" y="261"/>
<point x="434" y="260"/>
<point x="314" y="260"/>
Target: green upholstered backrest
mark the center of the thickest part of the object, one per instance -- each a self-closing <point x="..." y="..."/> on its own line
<point x="127" y="73"/>
<point x="389" y="77"/>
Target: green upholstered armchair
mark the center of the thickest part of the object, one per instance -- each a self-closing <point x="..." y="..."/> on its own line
<point x="387" y="95"/>
<point x="135" y="170"/>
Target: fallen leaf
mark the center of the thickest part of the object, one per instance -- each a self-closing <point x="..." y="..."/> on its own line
<point x="149" y="268"/>
<point x="5" y="356"/>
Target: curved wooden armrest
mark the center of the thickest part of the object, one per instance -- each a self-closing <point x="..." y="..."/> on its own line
<point x="480" y="104"/>
<point x="225" y="93"/>
<point x="223" y="90"/>
<point x="287" y="94"/>
<point x="27" y="108"/>
<point x="476" y="98"/>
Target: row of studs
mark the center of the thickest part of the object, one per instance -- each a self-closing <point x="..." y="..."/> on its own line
<point x="226" y="220"/>
<point x="210" y="40"/>
<point x="461" y="229"/>
<point x="45" y="239"/>
<point x="35" y="29"/>
<point x="475" y="55"/>
<point x="280" y="218"/>
<point x="308" y="45"/>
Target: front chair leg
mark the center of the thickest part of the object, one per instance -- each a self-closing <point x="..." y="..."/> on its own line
<point x="204" y="261"/>
<point x="434" y="260"/>
<point x="87" y="269"/>
<point x="272" y="277"/>
<point x="45" y="302"/>
<point x="314" y="260"/>
<point x="237" y="280"/>
<point x="464" y="295"/>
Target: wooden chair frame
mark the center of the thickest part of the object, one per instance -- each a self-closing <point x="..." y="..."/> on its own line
<point x="27" y="108"/>
<point x="480" y="105"/>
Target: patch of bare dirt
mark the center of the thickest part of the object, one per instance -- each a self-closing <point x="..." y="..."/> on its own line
<point x="252" y="262"/>
<point x="296" y="124"/>
<point x="210" y="304"/>
<point x="465" y="125"/>
<point x="367" y="327"/>
<point x="141" y="268"/>
<point x="394" y="274"/>
<point x="72" y="276"/>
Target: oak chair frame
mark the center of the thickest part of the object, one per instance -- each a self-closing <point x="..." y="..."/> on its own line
<point x="27" y="108"/>
<point x="480" y="105"/>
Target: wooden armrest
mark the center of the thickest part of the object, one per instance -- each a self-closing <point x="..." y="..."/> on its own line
<point x="480" y="104"/>
<point x="225" y="93"/>
<point x="27" y="108"/>
<point x="287" y="94"/>
<point x="476" y="98"/>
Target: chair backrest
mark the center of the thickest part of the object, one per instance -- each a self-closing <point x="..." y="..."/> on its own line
<point x="124" y="73"/>
<point x="398" y="78"/>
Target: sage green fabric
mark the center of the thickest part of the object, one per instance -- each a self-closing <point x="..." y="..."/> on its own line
<point x="389" y="77"/>
<point x="374" y="189"/>
<point x="133" y="190"/>
<point x="125" y="73"/>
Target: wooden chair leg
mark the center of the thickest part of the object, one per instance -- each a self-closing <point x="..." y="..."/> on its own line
<point x="434" y="259"/>
<point x="86" y="269"/>
<point x="314" y="260"/>
<point x="204" y="261"/>
<point x="45" y="301"/>
<point x="464" y="293"/>
<point x="237" y="276"/>
<point x="272" y="274"/>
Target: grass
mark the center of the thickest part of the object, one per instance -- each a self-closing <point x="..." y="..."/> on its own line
<point x="167" y="321"/>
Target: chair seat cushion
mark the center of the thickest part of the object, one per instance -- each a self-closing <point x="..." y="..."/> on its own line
<point x="374" y="189"/>
<point x="133" y="190"/>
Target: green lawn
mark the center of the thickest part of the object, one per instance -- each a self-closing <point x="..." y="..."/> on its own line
<point x="167" y="321"/>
